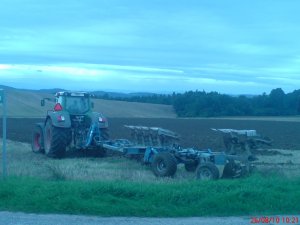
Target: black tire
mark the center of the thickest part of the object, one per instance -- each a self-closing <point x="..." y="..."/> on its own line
<point x="191" y="166"/>
<point x="55" y="140"/>
<point x="229" y="170"/>
<point x="97" y="152"/>
<point x="164" y="165"/>
<point x="37" y="142"/>
<point x="229" y="143"/>
<point x="207" y="171"/>
<point x="104" y="133"/>
<point x="101" y="152"/>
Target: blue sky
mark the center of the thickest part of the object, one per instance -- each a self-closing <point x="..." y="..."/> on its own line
<point x="229" y="46"/>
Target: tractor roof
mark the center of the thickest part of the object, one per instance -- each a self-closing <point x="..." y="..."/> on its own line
<point x="72" y="93"/>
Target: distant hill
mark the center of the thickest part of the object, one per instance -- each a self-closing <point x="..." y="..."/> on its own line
<point x="121" y="95"/>
<point x="96" y="93"/>
<point x="6" y="87"/>
<point x="51" y="91"/>
<point x="26" y="103"/>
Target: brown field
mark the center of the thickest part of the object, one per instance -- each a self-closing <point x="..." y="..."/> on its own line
<point x="194" y="133"/>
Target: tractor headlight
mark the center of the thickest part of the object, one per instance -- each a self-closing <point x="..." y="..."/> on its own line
<point x="61" y="118"/>
<point x="102" y="120"/>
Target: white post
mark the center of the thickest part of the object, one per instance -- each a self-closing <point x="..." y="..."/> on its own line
<point x="3" y="101"/>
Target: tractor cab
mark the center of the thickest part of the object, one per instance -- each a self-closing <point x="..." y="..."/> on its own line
<point x="74" y="102"/>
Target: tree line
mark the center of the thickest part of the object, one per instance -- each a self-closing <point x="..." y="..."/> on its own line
<point x="213" y="104"/>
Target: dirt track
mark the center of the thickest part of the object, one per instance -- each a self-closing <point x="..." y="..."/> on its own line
<point x="194" y="132"/>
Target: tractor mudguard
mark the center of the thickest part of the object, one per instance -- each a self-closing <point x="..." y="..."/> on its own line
<point x="37" y="142"/>
<point x="60" y="119"/>
<point x="41" y="125"/>
<point x="98" y="117"/>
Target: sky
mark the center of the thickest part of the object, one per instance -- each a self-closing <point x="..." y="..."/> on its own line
<point x="161" y="46"/>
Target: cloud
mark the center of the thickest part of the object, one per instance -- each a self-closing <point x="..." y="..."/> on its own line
<point x="224" y="78"/>
<point x="115" y="77"/>
<point x="252" y="49"/>
<point x="210" y="81"/>
<point x="86" y="76"/>
<point x="5" y="67"/>
<point x="280" y="80"/>
<point x="225" y="46"/>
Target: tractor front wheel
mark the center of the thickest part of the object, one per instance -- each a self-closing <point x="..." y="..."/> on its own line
<point x="56" y="140"/>
<point x="207" y="171"/>
<point x="164" y="165"/>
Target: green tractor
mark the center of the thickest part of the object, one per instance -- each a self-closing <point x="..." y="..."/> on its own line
<point x="70" y="125"/>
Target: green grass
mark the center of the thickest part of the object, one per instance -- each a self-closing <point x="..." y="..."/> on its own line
<point x="250" y="196"/>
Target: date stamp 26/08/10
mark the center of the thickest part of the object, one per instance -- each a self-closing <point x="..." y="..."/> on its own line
<point x="275" y="220"/>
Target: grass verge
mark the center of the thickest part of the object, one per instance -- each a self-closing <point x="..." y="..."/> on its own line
<point x="255" y="195"/>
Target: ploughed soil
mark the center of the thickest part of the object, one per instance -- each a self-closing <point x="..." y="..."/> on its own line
<point x="194" y="132"/>
<point x="283" y="157"/>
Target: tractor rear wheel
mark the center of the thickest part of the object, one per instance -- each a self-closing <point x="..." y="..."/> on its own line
<point x="37" y="142"/>
<point x="56" y="140"/>
<point x="207" y="171"/>
<point x="98" y="152"/>
<point x="104" y="134"/>
<point x="164" y="165"/>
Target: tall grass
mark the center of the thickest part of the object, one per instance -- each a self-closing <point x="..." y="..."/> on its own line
<point x="22" y="162"/>
<point x="121" y="187"/>
<point x="250" y="196"/>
